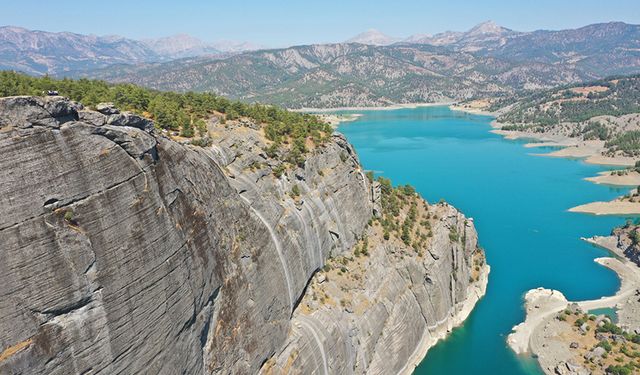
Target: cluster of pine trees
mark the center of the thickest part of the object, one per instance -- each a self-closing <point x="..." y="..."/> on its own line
<point x="183" y="112"/>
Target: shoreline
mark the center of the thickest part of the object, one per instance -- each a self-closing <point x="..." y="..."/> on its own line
<point x="473" y="111"/>
<point x="429" y="339"/>
<point x="538" y="334"/>
<point x="615" y="208"/>
<point x="589" y="151"/>
<point x="378" y="108"/>
<point x="335" y="120"/>
<point x="631" y="179"/>
<point x="542" y="303"/>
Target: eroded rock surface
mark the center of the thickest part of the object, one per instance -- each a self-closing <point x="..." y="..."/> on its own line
<point x="380" y="313"/>
<point x="126" y="252"/>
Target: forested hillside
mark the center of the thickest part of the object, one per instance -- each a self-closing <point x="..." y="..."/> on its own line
<point x="487" y="61"/>
<point x="615" y="96"/>
<point x="184" y="112"/>
<point x="606" y="110"/>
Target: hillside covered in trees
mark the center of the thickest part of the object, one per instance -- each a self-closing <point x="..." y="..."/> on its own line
<point x="606" y="110"/>
<point x="184" y="112"/>
<point x="614" y="96"/>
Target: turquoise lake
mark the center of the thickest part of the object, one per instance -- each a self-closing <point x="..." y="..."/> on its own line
<point x="519" y="203"/>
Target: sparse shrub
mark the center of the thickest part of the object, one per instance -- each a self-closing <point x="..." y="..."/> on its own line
<point x="202" y="142"/>
<point x="68" y="215"/>
<point x="295" y="191"/>
<point x="279" y="170"/>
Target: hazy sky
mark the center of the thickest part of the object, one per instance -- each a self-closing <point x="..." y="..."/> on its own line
<point x="279" y="23"/>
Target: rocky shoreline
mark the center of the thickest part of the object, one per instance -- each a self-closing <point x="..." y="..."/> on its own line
<point x="542" y="335"/>
<point x="475" y="293"/>
<point x="592" y="152"/>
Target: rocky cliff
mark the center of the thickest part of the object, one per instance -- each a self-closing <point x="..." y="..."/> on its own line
<point x="627" y="240"/>
<point x="379" y="313"/>
<point x="127" y="252"/>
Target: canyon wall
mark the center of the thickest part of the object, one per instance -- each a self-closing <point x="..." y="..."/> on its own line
<point x="127" y="252"/>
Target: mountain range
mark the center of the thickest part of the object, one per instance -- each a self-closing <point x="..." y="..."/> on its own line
<point x="488" y="60"/>
<point x="371" y="69"/>
<point x="485" y="31"/>
<point x="40" y="52"/>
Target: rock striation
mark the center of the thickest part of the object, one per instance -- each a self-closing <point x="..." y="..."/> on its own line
<point x="379" y="314"/>
<point x="127" y="252"/>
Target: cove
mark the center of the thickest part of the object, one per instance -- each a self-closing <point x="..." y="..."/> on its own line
<point x="519" y="203"/>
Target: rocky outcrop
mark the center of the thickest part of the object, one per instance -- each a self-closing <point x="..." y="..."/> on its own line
<point x="380" y="313"/>
<point x="126" y="252"/>
<point x="628" y="241"/>
<point x="403" y="304"/>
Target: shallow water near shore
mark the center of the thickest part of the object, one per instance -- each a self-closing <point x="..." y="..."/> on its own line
<point x="608" y="311"/>
<point x="519" y="203"/>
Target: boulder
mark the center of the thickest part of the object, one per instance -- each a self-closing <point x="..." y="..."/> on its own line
<point x="574" y="308"/>
<point x="601" y="319"/>
<point x="570" y="368"/>
<point x="92" y="117"/>
<point x="584" y="328"/>
<point x="618" y="339"/>
<point x="131" y="120"/>
<point x="595" y="354"/>
<point x="107" y="109"/>
<point x="574" y="345"/>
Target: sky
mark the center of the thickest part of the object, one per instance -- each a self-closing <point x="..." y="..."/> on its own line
<point x="279" y="23"/>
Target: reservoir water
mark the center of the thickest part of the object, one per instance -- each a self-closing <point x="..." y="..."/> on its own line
<point x="519" y="202"/>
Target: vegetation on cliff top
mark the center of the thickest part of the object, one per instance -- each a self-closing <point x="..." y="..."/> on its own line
<point x="404" y="214"/>
<point x="185" y="112"/>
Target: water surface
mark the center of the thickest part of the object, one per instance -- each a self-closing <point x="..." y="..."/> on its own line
<point x="519" y="203"/>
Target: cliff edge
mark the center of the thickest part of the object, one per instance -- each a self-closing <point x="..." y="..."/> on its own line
<point x="127" y="252"/>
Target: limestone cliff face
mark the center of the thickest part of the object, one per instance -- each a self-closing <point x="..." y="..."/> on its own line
<point x="126" y="252"/>
<point x="380" y="313"/>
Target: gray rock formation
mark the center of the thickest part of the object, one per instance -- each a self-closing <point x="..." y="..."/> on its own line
<point x="570" y="368"/>
<point x="383" y="313"/>
<point x="627" y="241"/>
<point x="126" y="252"/>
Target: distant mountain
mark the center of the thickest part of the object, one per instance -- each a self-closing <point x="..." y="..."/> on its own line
<point x="599" y="49"/>
<point x="234" y="46"/>
<point x="373" y="69"/>
<point x="180" y="46"/>
<point x="373" y="37"/>
<point x="345" y="75"/>
<point x="39" y="52"/>
<point x="487" y="60"/>
<point x="184" y="45"/>
<point x="485" y="35"/>
<point x="482" y="34"/>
